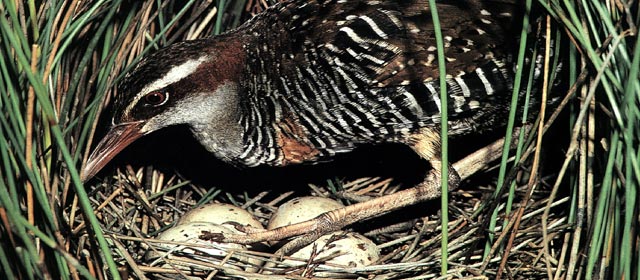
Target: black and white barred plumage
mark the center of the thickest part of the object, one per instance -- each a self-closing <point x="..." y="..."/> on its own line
<point x="353" y="72"/>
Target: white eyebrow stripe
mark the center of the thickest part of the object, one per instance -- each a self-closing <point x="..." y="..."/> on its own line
<point x="176" y="73"/>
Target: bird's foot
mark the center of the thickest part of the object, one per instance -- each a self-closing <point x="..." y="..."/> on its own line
<point x="246" y="229"/>
<point x="307" y="231"/>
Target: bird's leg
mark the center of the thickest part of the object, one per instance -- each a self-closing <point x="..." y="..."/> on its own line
<point x="426" y="144"/>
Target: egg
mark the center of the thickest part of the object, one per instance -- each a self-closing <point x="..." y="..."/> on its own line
<point x="350" y="249"/>
<point x="220" y="213"/>
<point x="301" y="209"/>
<point x="189" y="234"/>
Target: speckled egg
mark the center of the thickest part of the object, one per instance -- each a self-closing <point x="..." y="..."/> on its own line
<point x="184" y="236"/>
<point x="351" y="249"/>
<point x="301" y="209"/>
<point x="220" y="213"/>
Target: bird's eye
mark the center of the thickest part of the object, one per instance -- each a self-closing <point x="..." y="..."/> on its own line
<point x="156" y="98"/>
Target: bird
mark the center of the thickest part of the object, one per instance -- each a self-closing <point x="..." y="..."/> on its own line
<point x="306" y="80"/>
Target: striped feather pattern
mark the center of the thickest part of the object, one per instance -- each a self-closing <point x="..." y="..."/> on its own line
<point x="353" y="72"/>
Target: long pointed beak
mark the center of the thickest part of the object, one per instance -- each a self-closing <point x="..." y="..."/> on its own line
<point x="118" y="138"/>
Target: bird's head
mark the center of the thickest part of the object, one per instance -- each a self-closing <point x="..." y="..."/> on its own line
<point x="184" y="83"/>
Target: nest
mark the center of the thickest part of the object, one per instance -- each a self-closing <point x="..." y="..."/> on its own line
<point x="409" y="239"/>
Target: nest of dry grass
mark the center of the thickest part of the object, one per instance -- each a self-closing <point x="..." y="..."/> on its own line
<point x="410" y="242"/>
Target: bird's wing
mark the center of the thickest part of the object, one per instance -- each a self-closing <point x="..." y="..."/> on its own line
<point x="373" y="58"/>
<point x="386" y="43"/>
